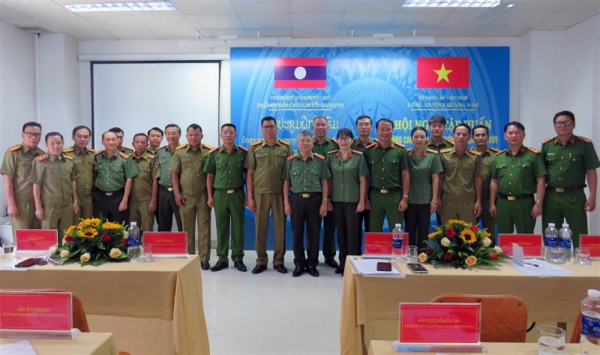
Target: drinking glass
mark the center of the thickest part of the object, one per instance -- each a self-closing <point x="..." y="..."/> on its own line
<point x="412" y="254"/>
<point x="555" y="255"/>
<point x="551" y="340"/>
<point x="582" y="256"/>
<point x="146" y="254"/>
<point x="10" y="250"/>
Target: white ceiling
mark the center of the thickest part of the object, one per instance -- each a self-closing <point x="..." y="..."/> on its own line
<point x="298" y="19"/>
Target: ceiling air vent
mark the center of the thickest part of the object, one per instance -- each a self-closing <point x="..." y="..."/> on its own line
<point x="34" y="29"/>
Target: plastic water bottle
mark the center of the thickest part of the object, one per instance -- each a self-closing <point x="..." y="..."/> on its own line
<point x="565" y="243"/>
<point x="397" y="242"/>
<point x="590" y="324"/>
<point x="133" y="241"/>
<point x="550" y="238"/>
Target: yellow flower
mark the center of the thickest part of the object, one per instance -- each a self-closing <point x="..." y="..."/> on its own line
<point x="434" y="234"/>
<point x="111" y="225"/>
<point x="468" y="236"/>
<point x="457" y="221"/>
<point x="70" y="229"/>
<point x="471" y="260"/>
<point x="94" y="222"/>
<point x="88" y="233"/>
<point x="487" y="234"/>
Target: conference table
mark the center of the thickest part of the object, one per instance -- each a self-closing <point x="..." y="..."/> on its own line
<point x="371" y="299"/>
<point x="83" y="344"/>
<point x="152" y="308"/>
<point x="379" y="347"/>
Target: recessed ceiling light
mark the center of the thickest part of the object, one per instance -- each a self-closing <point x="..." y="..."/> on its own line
<point x="121" y="6"/>
<point x="451" y="3"/>
<point x="510" y="5"/>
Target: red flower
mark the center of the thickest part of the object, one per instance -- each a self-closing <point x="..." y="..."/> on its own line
<point x="105" y="238"/>
<point x="474" y="228"/>
<point x="450" y="232"/>
<point x="493" y="256"/>
<point x="429" y="250"/>
<point x="124" y="241"/>
<point x="448" y="256"/>
<point x="68" y="239"/>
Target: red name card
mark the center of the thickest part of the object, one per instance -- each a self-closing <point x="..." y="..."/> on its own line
<point x="166" y="242"/>
<point x="36" y="239"/>
<point x="27" y="310"/>
<point x="381" y="243"/>
<point x="532" y="244"/>
<point x="592" y="242"/>
<point x="435" y="323"/>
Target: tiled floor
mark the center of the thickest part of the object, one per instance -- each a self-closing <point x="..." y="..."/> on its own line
<point x="272" y="313"/>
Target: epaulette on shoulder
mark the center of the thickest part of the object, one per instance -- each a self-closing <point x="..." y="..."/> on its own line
<point x="124" y="155"/>
<point x="400" y="144"/>
<point x="547" y="140"/>
<point x="333" y="152"/>
<point x="449" y="141"/>
<point x="533" y="150"/>
<point x="41" y="158"/>
<point x="256" y="143"/>
<point x="370" y="145"/>
<point x="243" y="148"/>
<point x="495" y="150"/>
<point x="409" y="150"/>
<point x="181" y="146"/>
<point x="100" y="151"/>
<point x="128" y="148"/>
<point x="15" y="147"/>
<point x="67" y="157"/>
<point x="432" y="151"/>
<point x="318" y="155"/>
<point x="206" y="146"/>
<point x="213" y="150"/>
<point x="446" y="150"/>
<point x="151" y="156"/>
<point x="284" y="142"/>
<point x="163" y="147"/>
<point x="68" y="150"/>
<point x="91" y="150"/>
<point x="335" y="141"/>
<point x="292" y="157"/>
<point x="357" y="152"/>
<point x="587" y="140"/>
<point x="474" y="152"/>
<point x="500" y="152"/>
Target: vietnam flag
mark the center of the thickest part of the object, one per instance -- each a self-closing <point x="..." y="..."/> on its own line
<point x="442" y="72"/>
<point x="300" y="73"/>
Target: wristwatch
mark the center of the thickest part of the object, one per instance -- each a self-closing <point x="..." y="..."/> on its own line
<point x="539" y="202"/>
<point x="405" y="196"/>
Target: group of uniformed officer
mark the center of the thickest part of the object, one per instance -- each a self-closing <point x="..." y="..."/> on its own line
<point x="509" y="188"/>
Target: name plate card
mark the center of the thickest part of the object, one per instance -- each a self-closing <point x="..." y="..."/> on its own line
<point x="380" y="244"/>
<point x="166" y="243"/>
<point x="532" y="244"/>
<point x="35" y="311"/>
<point x="36" y="239"/>
<point x="593" y="243"/>
<point x="439" y="323"/>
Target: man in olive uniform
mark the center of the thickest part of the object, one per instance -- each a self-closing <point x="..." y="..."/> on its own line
<point x="305" y="175"/>
<point x="460" y="182"/>
<point x="388" y="164"/>
<point x="570" y="159"/>
<point x="83" y="166"/>
<point x="481" y="136"/>
<point x="225" y="182"/>
<point x="166" y="197"/>
<point x="517" y="174"/>
<point x="189" y="184"/>
<point x="155" y="137"/>
<point x="437" y="127"/>
<point x="16" y="168"/>
<point x="323" y="145"/>
<point x="114" y="172"/>
<point x="120" y="135"/>
<point x="54" y="187"/>
<point x="364" y="126"/>
<point x="144" y="189"/>
<point x="265" y="161"/>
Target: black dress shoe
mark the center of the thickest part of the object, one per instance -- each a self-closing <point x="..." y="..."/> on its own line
<point x="312" y="271"/>
<point x="331" y="263"/>
<point x="219" y="266"/>
<point x="280" y="269"/>
<point x="204" y="265"/>
<point x="339" y="270"/>
<point x="258" y="269"/>
<point x="240" y="266"/>
<point x="299" y="270"/>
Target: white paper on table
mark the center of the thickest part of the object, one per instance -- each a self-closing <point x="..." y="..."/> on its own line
<point x="518" y="256"/>
<point x="539" y="268"/>
<point x="22" y="347"/>
<point x="368" y="267"/>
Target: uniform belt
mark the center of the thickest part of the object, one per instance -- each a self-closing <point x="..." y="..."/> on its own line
<point x="166" y="188"/>
<point x="230" y="191"/>
<point x="515" y="198"/>
<point x="110" y="193"/>
<point x="567" y="189"/>
<point x="386" y="191"/>
<point x="308" y="194"/>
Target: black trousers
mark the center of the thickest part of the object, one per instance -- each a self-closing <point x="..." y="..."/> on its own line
<point x="306" y="211"/>
<point x="416" y="218"/>
<point x="166" y="209"/>
<point x="349" y="232"/>
<point x="106" y="205"/>
<point x="329" y="236"/>
<point x="363" y="218"/>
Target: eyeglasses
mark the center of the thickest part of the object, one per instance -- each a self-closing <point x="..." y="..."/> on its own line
<point x="344" y="139"/>
<point x="563" y="124"/>
<point x="271" y="126"/>
<point x="33" y="135"/>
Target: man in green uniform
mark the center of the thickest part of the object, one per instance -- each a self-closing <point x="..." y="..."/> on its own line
<point x="265" y="161"/>
<point x="480" y="137"/>
<point x="144" y="190"/>
<point x="517" y="174"/>
<point x="166" y="198"/>
<point x="305" y="175"/>
<point x="120" y="135"/>
<point x="114" y="172"/>
<point x="388" y="164"/>
<point x="155" y="137"/>
<point x="16" y="168"/>
<point x="189" y="185"/>
<point x="225" y="182"/>
<point x="437" y="127"/>
<point x="83" y="167"/>
<point x="54" y="187"/>
<point x="460" y="182"/>
<point x="570" y="159"/>
<point x="323" y="145"/>
<point x="364" y="126"/>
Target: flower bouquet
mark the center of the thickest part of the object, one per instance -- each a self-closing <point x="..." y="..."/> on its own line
<point x="92" y="242"/>
<point x="460" y="244"/>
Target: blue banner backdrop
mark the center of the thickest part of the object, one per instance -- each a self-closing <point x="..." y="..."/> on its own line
<point x="379" y="82"/>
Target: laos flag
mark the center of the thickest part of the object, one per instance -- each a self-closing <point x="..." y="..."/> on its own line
<point x="300" y="73"/>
